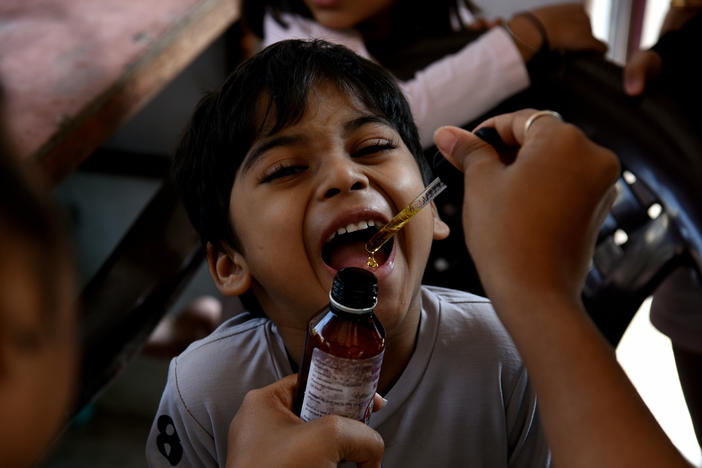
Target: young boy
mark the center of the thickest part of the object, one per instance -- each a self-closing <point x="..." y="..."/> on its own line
<point x="282" y="171"/>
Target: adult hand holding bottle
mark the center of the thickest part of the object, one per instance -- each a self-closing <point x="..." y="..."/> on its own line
<point x="266" y="433"/>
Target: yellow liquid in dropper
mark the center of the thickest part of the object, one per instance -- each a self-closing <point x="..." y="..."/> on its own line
<point x="387" y="231"/>
<point x="400" y="219"/>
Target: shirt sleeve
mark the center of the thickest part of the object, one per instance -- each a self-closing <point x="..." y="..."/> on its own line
<point x="526" y="438"/>
<point x="176" y="438"/>
<point x="462" y="86"/>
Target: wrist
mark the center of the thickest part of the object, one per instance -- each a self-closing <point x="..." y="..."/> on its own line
<point x="528" y="35"/>
<point x="526" y="312"/>
<point x="517" y="296"/>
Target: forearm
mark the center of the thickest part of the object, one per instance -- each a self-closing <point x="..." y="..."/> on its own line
<point x="591" y="413"/>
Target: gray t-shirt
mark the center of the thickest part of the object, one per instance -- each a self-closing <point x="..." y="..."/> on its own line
<point x="462" y="400"/>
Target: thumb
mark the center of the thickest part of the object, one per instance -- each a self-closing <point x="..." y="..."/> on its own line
<point x="463" y="149"/>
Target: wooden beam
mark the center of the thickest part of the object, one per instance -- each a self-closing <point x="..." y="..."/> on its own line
<point x="62" y="100"/>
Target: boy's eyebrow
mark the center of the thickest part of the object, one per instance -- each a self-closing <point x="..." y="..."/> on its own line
<point x="256" y="152"/>
<point x="359" y="122"/>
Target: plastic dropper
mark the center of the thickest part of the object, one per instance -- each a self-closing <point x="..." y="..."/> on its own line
<point x="487" y="134"/>
<point x="400" y="219"/>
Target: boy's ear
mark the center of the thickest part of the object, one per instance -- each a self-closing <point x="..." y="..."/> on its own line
<point x="441" y="229"/>
<point x="229" y="271"/>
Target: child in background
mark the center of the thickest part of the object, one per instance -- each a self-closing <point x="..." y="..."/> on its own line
<point x="452" y="66"/>
<point x="301" y="146"/>
<point x="38" y="348"/>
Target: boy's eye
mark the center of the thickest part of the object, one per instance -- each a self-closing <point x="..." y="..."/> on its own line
<point x="375" y="146"/>
<point x="281" y="170"/>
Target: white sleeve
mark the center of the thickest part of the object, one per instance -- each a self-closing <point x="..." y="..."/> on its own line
<point x="462" y="86"/>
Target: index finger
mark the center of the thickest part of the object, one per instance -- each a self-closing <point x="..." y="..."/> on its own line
<point x="512" y="127"/>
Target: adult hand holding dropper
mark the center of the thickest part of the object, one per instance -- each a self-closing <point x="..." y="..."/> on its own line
<point x="531" y="227"/>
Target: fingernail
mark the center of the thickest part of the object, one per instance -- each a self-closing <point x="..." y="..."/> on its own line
<point x="445" y="140"/>
<point x="382" y="403"/>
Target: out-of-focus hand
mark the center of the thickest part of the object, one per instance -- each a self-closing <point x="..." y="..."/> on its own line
<point x="567" y="28"/>
<point x="531" y="225"/>
<point x="645" y="65"/>
<point x="641" y="67"/>
<point x="266" y="433"/>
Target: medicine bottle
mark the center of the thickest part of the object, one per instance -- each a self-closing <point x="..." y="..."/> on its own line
<point x="343" y="354"/>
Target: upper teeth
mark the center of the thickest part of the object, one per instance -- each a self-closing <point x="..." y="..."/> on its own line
<point x="352" y="227"/>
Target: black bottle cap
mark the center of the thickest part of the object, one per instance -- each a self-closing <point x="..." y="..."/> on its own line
<point x="355" y="289"/>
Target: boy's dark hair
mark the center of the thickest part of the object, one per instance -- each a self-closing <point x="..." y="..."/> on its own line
<point x="226" y="122"/>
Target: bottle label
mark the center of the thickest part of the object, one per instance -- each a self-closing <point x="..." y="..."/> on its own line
<point x="340" y="386"/>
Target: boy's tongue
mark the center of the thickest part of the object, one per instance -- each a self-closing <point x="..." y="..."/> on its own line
<point x="351" y="254"/>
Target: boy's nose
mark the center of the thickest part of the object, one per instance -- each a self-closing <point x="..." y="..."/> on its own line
<point x="341" y="175"/>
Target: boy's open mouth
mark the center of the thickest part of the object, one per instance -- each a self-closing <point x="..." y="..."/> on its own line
<point x="346" y="247"/>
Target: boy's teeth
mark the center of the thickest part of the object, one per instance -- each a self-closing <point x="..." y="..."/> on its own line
<point x="352" y="228"/>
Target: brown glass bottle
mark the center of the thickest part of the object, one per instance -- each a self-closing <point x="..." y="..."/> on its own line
<point x="343" y="354"/>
